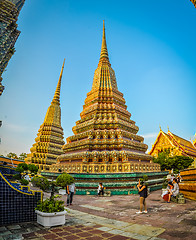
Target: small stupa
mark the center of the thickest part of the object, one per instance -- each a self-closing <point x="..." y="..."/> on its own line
<point x="49" y="141"/>
<point x="105" y="139"/>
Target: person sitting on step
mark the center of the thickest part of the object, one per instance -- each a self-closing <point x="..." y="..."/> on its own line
<point x="175" y="191"/>
<point x="100" y="189"/>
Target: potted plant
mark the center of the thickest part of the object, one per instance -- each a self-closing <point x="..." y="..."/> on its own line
<point x="51" y="211"/>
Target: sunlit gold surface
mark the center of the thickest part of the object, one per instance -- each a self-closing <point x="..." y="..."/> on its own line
<point x="105" y="138"/>
<point x="177" y="145"/>
<point x="49" y="141"/>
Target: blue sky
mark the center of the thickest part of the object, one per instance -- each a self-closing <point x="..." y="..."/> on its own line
<point x="151" y="46"/>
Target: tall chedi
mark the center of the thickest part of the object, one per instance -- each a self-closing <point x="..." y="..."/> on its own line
<point x="105" y="139"/>
<point x="49" y="141"/>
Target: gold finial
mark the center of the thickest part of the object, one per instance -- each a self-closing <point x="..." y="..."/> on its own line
<point x="168" y="128"/>
<point x="104" y="51"/>
<point x="56" y="98"/>
<point x="160" y="127"/>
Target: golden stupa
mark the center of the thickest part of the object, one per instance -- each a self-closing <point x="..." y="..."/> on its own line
<point x="49" y="141"/>
<point x="105" y="138"/>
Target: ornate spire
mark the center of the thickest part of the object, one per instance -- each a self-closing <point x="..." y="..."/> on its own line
<point x="104" y="51"/>
<point x="105" y="135"/>
<point x="49" y="141"/>
<point x="104" y="76"/>
<point x="56" y="98"/>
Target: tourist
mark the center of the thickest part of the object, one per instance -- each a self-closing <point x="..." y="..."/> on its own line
<point x="71" y="191"/>
<point x="179" y="178"/>
<point x="143" y="192"/>
<point x="100" y="189"/>
<point x="169" y="178"/>
<point x="26" y="177"/>
<point x="166" y="194"/>
<point x="172" y="177"/>
<point x="175" y="191"/>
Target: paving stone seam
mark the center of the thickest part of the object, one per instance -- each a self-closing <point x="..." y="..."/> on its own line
<point x="115" y="225"/>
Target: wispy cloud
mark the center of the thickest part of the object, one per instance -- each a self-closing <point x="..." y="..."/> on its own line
<point x="150" y="135"/>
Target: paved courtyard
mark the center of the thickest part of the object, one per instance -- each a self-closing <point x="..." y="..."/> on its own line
<point x="115" y="218"/>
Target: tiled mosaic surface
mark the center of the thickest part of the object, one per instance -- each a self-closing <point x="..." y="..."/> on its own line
<point x="16" y="205"/>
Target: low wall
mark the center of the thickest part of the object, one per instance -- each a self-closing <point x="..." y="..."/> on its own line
<point x="17" y="203"/>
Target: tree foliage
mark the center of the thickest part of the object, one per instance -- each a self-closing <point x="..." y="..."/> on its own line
<point x="22" y="167"/>
<point x="33" y="168"/>
<point x="22" y="156"/>
<point x="176" y="163"/>
<point x="64" y="179"/>
<point x="12" y="155"/>
<point x="41" y="182"/>
<point x="24" y="181"/>
<point x="44" y="184"/>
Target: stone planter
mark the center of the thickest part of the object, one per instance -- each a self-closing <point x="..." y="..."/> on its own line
<point x="51" y="219"/>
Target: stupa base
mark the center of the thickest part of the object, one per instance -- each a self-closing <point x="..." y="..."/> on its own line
<point x="116" y="183"/>
<point x="119" y="167"/>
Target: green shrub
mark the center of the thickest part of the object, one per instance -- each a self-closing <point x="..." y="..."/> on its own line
<point x="22" y="167"/>
<point x="145" y="177"/>
<point x="17" y="176"/>
<point x="64" y="179"/>
<point x="51" y="205"/>
<point x="24" y="182"/>
<point x="41" y="182"/>
<point x="33" y="168"/>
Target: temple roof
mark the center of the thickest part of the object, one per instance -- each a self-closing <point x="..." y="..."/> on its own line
<point x="185" y="146"/>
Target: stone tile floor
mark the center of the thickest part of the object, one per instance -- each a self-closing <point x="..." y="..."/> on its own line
<point x="92" y="217"/>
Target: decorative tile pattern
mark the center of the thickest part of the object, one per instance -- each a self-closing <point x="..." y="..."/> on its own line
<point x="16" y="205"/>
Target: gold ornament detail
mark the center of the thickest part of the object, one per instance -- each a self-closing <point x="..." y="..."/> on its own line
<point x="105" y="138"/>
